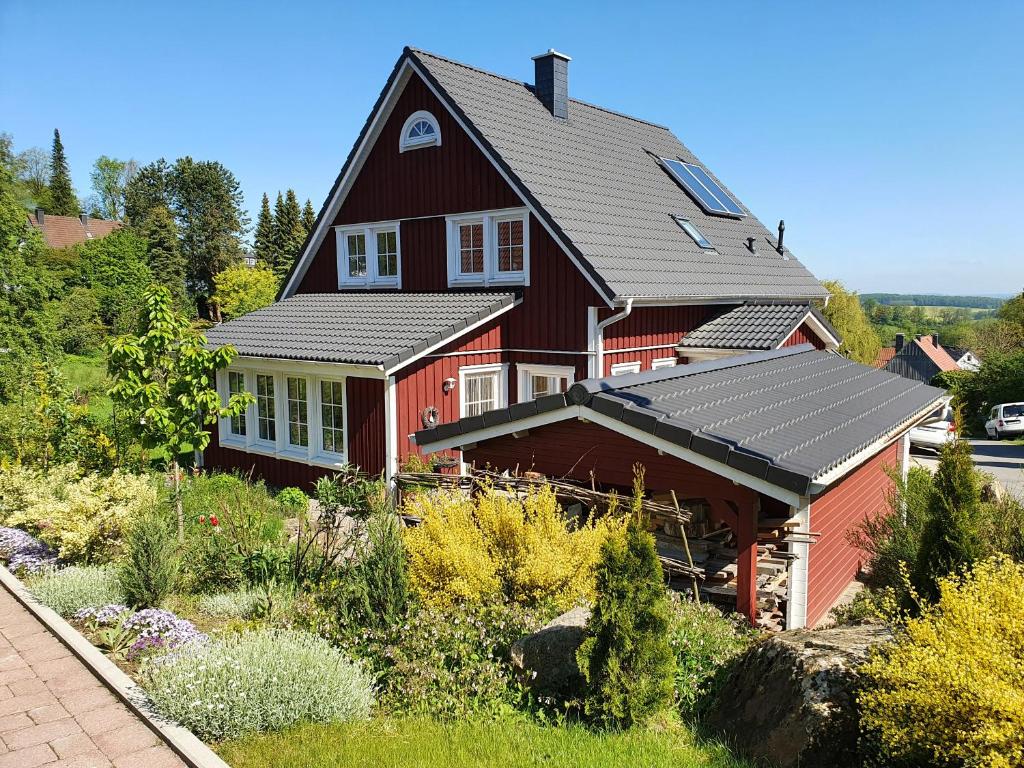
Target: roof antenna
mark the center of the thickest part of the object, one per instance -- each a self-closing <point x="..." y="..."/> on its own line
<point x="782" y="233"/>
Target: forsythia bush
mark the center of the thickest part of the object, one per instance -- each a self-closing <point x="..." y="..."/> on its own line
<point x="83" y="517"/>
<point x="500" y="546"/>
<point x="950" y="690"/>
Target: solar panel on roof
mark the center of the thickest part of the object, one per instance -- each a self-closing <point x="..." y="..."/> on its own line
<point x="702" y="188"/>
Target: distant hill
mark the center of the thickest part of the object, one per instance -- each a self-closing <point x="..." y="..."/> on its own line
<point x="933" y="300"/>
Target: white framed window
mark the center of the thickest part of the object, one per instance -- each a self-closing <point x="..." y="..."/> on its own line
<point x="332" y="416"/>
<point x="369" y="255"/>
<point x="482" y="388"/>
<point x="663" y="362"/>
<point x="266" y="412"/>
<point x="633" y="366"/>
<point x="298" y="412"/>
<point x="420" y="130"/>
<point x="489" y="248"/>
<point x="540" y="380"/>
<point x="236" y="386"/>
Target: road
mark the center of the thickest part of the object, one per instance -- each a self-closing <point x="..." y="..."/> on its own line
<point x="1001" y="459"/>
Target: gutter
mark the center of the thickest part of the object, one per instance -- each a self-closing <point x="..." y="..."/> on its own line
<point x="599" y="335"/>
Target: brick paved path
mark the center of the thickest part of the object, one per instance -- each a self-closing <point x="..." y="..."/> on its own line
<point x="55" y="712"/>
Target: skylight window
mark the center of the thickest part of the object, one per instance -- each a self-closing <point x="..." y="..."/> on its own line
<point x="690" y="228"/>
<point x="702" y="188"/>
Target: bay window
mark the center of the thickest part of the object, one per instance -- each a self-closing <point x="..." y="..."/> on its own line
<point x="489" y="248"/>
<point x="369" y="255"/>
<point x="236" y="386"/>
<point x="266" y="418"/>
<point x="298" y="412"/>
<point x="332" y="416"/>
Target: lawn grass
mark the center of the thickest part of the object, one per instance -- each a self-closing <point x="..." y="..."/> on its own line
<point x="88" y="375"/>
<point x="424" y="743"/>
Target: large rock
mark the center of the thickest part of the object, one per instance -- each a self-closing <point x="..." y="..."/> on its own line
<point x="546" y="660"/>
<point x="790" y="699"/>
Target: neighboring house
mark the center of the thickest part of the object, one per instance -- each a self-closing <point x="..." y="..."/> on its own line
<point x="964" y="358"/>
<point x="795" y="439"/>
<point x="488" y="242"/>
<point x="65" y="231"/>
<point x="920" y="359"/>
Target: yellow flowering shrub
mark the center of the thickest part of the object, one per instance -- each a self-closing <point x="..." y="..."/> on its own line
<point x="81" y="516"/>
<point x="499" y="545"/>
<point x="950" y="689"/>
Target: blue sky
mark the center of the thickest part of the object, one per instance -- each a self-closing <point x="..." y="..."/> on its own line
<point x="888" y="135"/>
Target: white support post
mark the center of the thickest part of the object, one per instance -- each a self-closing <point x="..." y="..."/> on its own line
<point x="796" y="607"/>
<point x="390" y="429"/>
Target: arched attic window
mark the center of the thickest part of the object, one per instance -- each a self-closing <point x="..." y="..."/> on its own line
<point x="420" y="130"/>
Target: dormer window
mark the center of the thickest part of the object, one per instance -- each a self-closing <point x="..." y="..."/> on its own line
<point x="420" y="130"/>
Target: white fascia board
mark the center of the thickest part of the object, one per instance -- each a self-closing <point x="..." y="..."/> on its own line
<point x="469" y="328"/>
<point x="308" y="366"/>
<point x="500" y="430"/>
<point x="342" y="190"/>
<point x="692" y="457"/>
<point x="822" y="482"/>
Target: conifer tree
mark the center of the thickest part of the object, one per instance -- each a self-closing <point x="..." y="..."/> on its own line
<point x="166" y="262"/>
<point x="288" y="230"/>
<point x="62" y="194"/>
<point x="308" y="218"/>
<point x="626" y="658"/>
<point x="263" y="242"/>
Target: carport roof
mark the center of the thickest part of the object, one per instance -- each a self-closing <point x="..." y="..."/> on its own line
<point x="792" y="417"/>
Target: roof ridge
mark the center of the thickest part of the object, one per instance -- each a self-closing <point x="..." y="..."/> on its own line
<point x="527" y="85"/>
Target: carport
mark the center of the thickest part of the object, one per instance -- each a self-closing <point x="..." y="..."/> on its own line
<point x="762" y="437"/>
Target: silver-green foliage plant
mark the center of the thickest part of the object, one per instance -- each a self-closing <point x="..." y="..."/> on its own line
<point x="257" y="681"/>
<point x="240" y="604"/>
<point x="68" y="590"/>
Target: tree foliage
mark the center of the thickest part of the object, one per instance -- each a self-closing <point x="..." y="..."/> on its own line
<point x="62" y="194"/>
<point x="166" y="264"/>
<point x="1013" y="310"/>
<point x="110" y="178"/>
<point x="289" y="234"/>
<point x="264" y="245"/>
<point x="844" y="311"/>
<point x="308" y="217"/>
<point x="146" y="190"/>
<point x="114" y="267"/>
<point x="240" y="289"/>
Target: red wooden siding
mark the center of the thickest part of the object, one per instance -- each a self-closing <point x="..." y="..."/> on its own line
<point x="277" y="472"/>
<point x="659" y="327"/>
<point x="804" y="335"/>
<point x="364" y="400"/>
<point x="834" y="561"/>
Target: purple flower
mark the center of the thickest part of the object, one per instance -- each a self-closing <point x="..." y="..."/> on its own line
<point x="23" y="552"/>
<point x="165" y="626"/>
<point x="104" y="616"/>
<point x="146" y="645"/>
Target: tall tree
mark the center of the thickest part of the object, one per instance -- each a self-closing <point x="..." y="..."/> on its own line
<point x="263" y="242"/>
<point x="110" y="178"/>
<point x="146" y="190"/>
<point x="207" y="202"/>
<point x="1013" y="310"/>
<point x="289" y="235"/>
<point x="308" y="217"/>
<point x="62" y="194"/>
<point x="162" y="252"/>
<point x="844" y="311"/>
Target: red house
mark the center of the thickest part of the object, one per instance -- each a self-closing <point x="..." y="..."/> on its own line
<point x="488" y="242"/>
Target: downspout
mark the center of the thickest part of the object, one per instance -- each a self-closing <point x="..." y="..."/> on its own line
<point x="599" y="356"/>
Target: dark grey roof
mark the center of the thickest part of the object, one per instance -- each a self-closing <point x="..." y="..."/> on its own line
<point x="596" y="178"/>
<point x="357" y="328"/>
<point x="752" y="326"/>
<point x="786" y="416"/>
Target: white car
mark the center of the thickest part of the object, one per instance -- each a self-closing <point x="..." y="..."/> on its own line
<point x="1005" y="420"/>
<point x="935" y="431"/>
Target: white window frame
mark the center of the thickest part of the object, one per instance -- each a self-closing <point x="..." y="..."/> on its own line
<point x="405" y="143"/>
<point x="372" y="279"/>
<point x="525" y="372"/>
<point x="630" y="366"/>
<point x="313" y="453"/>
<point x="226" y="430"/>
<point x="501" y="369"/>
<point x="663" y="362"/>
<point x="491" y="274"/>
<point x="270" y="443"/>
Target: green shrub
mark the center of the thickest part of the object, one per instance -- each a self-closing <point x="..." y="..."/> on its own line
<point x="293" y="498"/>
<point x="703" y="642"/>
<point x="68" y="590"/>
<point x="626" y="657"/>
<point x="449" y="662"/>
<point x="241" y="604"/>
<point x="950" y="691"/>
<point x="257" y="681"/>
<point x="149" y="571"/>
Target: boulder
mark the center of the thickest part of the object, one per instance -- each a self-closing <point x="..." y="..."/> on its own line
<point x="546" y="659"/>
<point x="791" y="699"/>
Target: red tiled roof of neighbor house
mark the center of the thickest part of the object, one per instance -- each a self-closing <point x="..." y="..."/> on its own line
<point x="65" y="231"/>
<point x="885" y="354"/>
<point x="936" y="354"/>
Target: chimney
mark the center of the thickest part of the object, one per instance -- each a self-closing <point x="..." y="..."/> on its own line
<point x="40" y="215"/>
<point x="84" y="218"/>
<point x="551" y="81"/>
<point x="900" y="340"/>
<point x="935" y="340"/>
